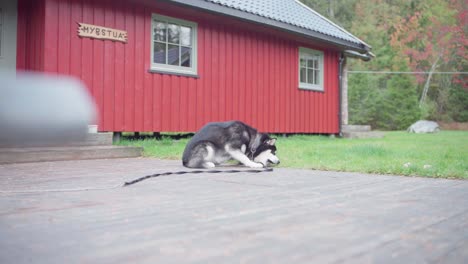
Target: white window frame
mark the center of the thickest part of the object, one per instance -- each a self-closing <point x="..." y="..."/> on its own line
<point x="308" y="53"/>
<point x="166" y="68"/>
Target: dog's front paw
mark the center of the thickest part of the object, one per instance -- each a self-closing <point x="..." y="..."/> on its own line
<point x="208" y="165"/>
<point x="256" y="165"/>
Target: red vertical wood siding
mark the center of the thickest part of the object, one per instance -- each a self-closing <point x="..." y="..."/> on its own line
<point x="30" y="35"/>
<point x="249" y="75"/>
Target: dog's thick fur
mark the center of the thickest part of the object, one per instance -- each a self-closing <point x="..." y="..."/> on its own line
<point x="219" y="142"/>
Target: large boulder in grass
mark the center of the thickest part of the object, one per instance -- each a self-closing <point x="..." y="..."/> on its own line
<point x="424" y="126"/>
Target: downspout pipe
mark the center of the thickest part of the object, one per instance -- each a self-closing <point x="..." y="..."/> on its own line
<point x="340" y="93"/>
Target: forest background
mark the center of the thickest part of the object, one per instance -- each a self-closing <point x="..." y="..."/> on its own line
<point x="420" y="64"/>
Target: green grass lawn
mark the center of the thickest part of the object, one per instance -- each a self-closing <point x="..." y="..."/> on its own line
<point x="444" y="154"/>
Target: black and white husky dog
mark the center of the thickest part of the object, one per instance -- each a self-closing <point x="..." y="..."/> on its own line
<point x="219" y="142"/>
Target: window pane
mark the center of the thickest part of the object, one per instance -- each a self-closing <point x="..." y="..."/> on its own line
<point x="303" y="62"/>
<point x="173" y="55"/>
<point x="173" y="32"/>
<point x="185" y="36"/>
<point x="186" y="56"/>
<point x="160" y="31"/>
<point x="310" y="76"/>
<point x="317" y="76"/>
<point x="316" y="64"/>
<point x="310" y="63"/>
<point x="303" y="75"/>
<point x="159" y="52"/>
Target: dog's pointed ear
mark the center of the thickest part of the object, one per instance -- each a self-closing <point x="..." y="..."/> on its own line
<point x="271" y="141"/>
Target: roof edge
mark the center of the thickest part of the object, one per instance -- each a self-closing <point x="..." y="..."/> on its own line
<point x="331" y="22"/>
<point x="353" y="54"/>
<point x="253" y="18"/>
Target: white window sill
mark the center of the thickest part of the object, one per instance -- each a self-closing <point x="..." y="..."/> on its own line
<point x="311" y="87"/>
<point x="169" y="69"/>
<point x="185" y="74"/>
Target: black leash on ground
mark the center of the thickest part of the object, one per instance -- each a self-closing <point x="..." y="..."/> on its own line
<point x="131" y="182"/>
<point x="192" y="172"/>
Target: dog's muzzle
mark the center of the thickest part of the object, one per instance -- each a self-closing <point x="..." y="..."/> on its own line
<point x="274" y="160"/>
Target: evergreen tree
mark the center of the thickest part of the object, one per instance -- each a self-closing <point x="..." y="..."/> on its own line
<point x="364" y="99"/>
<point x="458" y="104"/>
<point x="399" y="109"/>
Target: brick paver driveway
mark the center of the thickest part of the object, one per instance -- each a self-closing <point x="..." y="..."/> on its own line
<point x="285" y="216"/>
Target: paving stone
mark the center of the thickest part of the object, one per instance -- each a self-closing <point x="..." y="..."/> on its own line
<point x="77" y="212"/>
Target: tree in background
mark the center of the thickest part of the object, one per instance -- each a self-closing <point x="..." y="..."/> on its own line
<point x="387" y="101"/>
<point x="338" y="11"/>
<point x="431" y="39"/>
<point x="364" y="100"/>
<point x="406" y="35"/>
<point x="399" y="109"/>
<point x="458" y="105"/>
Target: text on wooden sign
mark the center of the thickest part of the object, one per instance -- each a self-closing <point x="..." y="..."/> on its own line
<point x="97" y="32"/>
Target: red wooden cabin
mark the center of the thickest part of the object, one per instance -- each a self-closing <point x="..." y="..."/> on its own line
<point x="274" y="64"/>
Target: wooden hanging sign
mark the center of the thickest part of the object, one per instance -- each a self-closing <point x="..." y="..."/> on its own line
<point x="97" y="32"/>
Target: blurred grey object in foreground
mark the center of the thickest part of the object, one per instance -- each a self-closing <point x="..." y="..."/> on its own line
<point x="424" y="126"/>
<point x="42" y="110"/>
